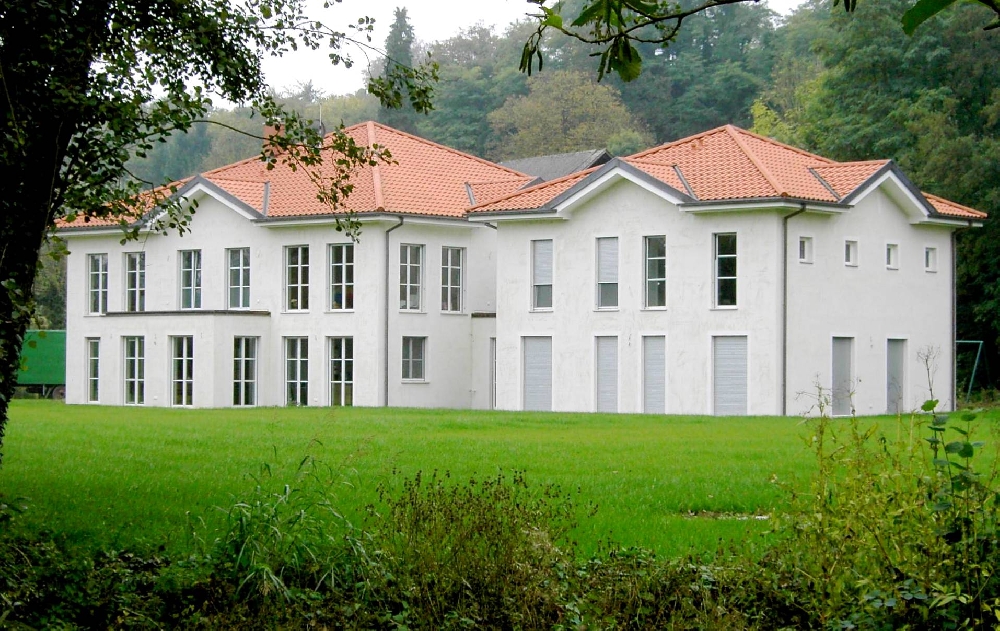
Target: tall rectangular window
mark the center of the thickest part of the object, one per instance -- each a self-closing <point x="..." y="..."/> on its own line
<point x="93" y="369"/>
<point x="410" y="260"/>
<point x="97" y="265"/>
<point x="182" y="370"/>
<point x="656" y="272"/>
<point x="607" y="273"/>
<point x="244" y="371"/>
<point x="239" y="278"/>
<point x="541" y="274"/>
<point x="725" y="270"/>
<point x="297" y="278"/>
<point x="451" y="279"/>
<point x="851" y="253"/>
<point x="135" y="281"/>
<point x="342" y="371"/>
<point x="930" y="259"/>
<point x="135" y="370"/>
<point x="892" y="256"/>
<point x="296" y="371"/>
<point x="413" y="358"/>
<point x="805" y="249"/>
<point x="341" y="276"/>
<point x="190" y="279"/>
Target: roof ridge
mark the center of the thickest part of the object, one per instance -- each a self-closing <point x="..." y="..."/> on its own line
<point x="852" y="163"/>
<point x="536" y="187"/>
<point x="676" y="143"/>
<point x="376" y="171"/>
<point x="778" y="188"/>
<point x="803" y="152"/>
<point x="445" y="148"/>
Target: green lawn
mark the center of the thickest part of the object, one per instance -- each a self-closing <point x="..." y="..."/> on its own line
<point x="114" y="476"/>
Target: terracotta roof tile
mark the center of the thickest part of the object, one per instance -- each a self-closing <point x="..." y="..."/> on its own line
<point x="844" y="177"/>
<point x="535" y="196"/>
<point x="952" y="209"/>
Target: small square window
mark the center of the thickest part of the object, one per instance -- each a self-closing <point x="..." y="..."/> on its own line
<point x="805" y="249"/>
<point x="851" y="253"/>
<point x="892" y="256"/>
<point x="930" y="259"/>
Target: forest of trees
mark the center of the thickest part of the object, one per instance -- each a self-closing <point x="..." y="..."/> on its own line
<point x="847" y="86"/>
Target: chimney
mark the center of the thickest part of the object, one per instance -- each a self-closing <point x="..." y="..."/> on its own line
<point x="271" y="132"/>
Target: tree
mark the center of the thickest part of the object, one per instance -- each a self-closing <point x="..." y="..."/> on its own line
<point x="563" y="111"/>
<point x="618" y="27"/>
<point x="399" y="54"/>
<point x="78" y="83"/>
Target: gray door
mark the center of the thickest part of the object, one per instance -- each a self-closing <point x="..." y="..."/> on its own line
<point x="607" y="374"/>
<point x="895" y="378"/>
<point x="843" y="375"/>
<point x="729" y="360"/>
<point x="538" y="373"/>
<point x="654" y="374"/>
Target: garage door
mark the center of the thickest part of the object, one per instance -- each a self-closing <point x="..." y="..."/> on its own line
<point x="538" y="373"/>
<point x="730" y="379"/>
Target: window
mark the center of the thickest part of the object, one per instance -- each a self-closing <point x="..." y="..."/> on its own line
<point x="135" y="281"/>
<point x="725" y="270"/>
<point x="341" y="276"/>
<point x="805" y="249"/>
<point x="541" y="274"/>
<point x="656" y="272"/>
<point x="451" y="279"/>
<point x="297" y="278"/>
<point x="182" y="370"/>
<point x="244" y="371"/>
<point x="135" y="370"/>
<point x="930" y="259"/>
<point x="892" y="256"/>
<point x="190" y="279"/>
<point x="851" y="253"/>
<point x="296" y="371"/>
<point x="342" y="371"/>
<point x="607" y="273"/>
<point x="413" y="358"/>
<point x="98" y="272"/>
<point x="239" y="278"/>
<point x="410" y="257"/>
<point x="93" y="369"/>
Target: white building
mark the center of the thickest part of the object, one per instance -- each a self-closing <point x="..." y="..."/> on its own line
<point x="723" y="273"/>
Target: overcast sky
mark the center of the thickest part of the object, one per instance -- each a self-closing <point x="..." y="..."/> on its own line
<point x="432" y="20"/>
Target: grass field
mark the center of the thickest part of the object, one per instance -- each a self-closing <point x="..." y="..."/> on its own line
<point x="117" y="476"/>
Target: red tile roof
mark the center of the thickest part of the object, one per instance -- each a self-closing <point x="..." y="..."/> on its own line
<point x="728" y="163"/>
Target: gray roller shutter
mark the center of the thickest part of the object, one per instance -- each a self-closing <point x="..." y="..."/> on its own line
<point x="654" y="378"/>
<point x="843" y="377"/>
<point x="895" y="376"/>
<point x="730" y="378"/>
<point x="538" y="373"/>
<point x="542" y="261"/>
<point x="607" y="374"/>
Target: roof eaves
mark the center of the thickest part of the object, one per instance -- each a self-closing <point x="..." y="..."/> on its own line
<point x="216" y="189"/>
<point x="757" y="201"/>
<point x="892" y="167"/>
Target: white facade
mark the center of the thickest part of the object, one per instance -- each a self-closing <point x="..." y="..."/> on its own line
<point x="872" y="277"/>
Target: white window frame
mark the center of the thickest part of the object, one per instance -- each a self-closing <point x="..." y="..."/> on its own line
<point x="341" y="276"/>
<point x="412" y="365"/>
<point x="805" y="249"/>
<point x="535" y="284"/>
<point x="300" y="380"/>
<point x="190" y="277"/>
<point x="238" y="278"/>
<point x="135" y="281"/>
<point x="851" y="252"/>
<point x="297" y="292"/>
<point x="607" y="277"/>
<point x="930" y="259"/>
<point x="182" y="370"/>
<point x="245" y="349"/>
<point x="97" y="289"/>
<point x="452" y="298"/>
<point x="892" y="256"/>
<point x="341" y="363"/>
<point x="411" y="277"/>
<point x="134" y="369"/>
<point x="653" y="281"/>
<point x="93" y="369"/>
<point x="717" y="272"/>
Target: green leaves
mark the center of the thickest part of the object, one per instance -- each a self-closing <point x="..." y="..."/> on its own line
<point x="922" y="11"/>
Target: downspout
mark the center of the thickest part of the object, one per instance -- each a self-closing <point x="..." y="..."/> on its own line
<point x="954" y="311"/>
<point x="385" y="365"/>
<point x="784" y="307"/>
